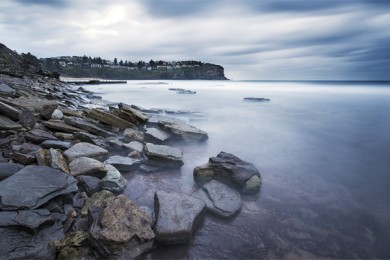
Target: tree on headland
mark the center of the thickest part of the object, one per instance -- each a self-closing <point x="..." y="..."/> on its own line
<point x="115" y="61"/>
<point x="121" y="63"/>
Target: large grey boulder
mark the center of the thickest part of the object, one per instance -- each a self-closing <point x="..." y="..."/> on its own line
<point x="86" y="150"/>
<point x="123" y="164"/>
<point x="87" y="166"/>
<point x="229" y="169"/>
<point x="87" y="126"/>
<point x="113" y="181"/>
<point x="162" y="155"/>
<point x="178" y="216"/>
<point x="35" y="186"/>
<point x="120" y="230"/>
<point x="219" y="198"/>
<point x="8" y="124"/>
<point x="183" y="131"/>
<point x="156" y="136"/>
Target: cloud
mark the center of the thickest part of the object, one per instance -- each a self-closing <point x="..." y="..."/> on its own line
<point x="52" y="3"/>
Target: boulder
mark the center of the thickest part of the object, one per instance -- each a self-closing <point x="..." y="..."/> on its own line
<point x="57" y="115"/>
<point x="62" y="145"/>
<point x="183" y="131"/>
<point x="123" y="164"/>
<point x="39" y="136"/>
<point x="86" y="150"/>
<point x="178" y="216"/>
<point x="22" y="158"/>
<point x="27" y="118"/>
<point x="219" y="198"/>
<point x="108" y="118"/>
<point x="8" y="124"/>
<point x="9" y="111"/>
<point x="87" y="166"/>
<point x="162" y="155"/>
<point x="60" y="126"/>
<point x="36" y="185"/>
<point x="156" y="136"/>
<point x="87" y="126"/>
<point x="121" y="229"/>
<point x="113" y="181"/>
<point x="98" y="199"/>
<point x="229" y="169"/>
<point x="8" y="169"/>
<point x="89" y="184"/>
<point x="135" y="146"/>
<point x="57" y="161"/>
<point x="133" y="135"/>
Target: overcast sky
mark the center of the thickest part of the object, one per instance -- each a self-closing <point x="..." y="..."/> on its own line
<point x="252" y="39"/>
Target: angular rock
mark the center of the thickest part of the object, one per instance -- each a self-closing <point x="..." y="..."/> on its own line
<point x="231" y="170"/>
<point x="113" y="141"/>
<point x="33" y="103"/>
<point x="42" y="157"/>
<point x="39" y="136"/>
<point x="62" y="145"/>
<point x="219" y="198"/>
<point x="90" y="138"/>
<point x="74" y="246"/>
<point x="87" y="166"/>
<point x="36" y="186"/>
<point x="6" y="90"/>
<point x="132" y="114"/>
<point x="9" y="169"/>
<point x="183" y="131"/>
<point x="156" y="136"/>
<point x="133" y="135"/>
<point x="60" y="126"/>
<point x="113" y="181"/>
<point x="108" y="118"/>
<point x="121" y="229"/>
<point x="28" y="148"/>
<point x="89" y="184"/>
<point x="71" y="112"/>
<point x="86" y="150"/>
<point x="178" y="216"/>
<point x="30" y="219"/>
<point x="66" y="137"/>
<point x="57" y="115"/>
<point x="22" y="158"/>
<point x="98" y="199"/>
<point x="123" y="164"/>
<point x="27" y="119"/>
<point x="135" y="146"/>
<point x="156" y="118"/>
<point x="47" y="111"/>
<point x="87" y="126"/>
<point x="162" y="155"/>
<point x="8" y="124"/>
<point x="57" y="161"/>
<point x="9" y="111"/>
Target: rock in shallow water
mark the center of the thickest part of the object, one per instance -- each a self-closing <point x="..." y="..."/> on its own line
<point x="123" y="164"/>
<point x="162" y="155"/>
<point x="182" y="131"/>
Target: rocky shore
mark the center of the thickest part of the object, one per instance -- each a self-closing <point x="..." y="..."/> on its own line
<point x="64" y="154"/>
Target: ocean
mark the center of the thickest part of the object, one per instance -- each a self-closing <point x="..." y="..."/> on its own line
<point x="322" y="148"/>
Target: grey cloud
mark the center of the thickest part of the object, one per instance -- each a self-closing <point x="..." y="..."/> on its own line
<point x="52" y="3"/>
<point x="175" y="8"/>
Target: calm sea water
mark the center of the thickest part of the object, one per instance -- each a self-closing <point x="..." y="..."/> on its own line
<point x="323" y="150"/>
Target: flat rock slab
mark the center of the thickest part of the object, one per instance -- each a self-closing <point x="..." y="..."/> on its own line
<point x="86" y="150"/>
<point x="60" y="126"/>
<point x="183" y="131"/>
<point x="162" y="155"/>
<point x="30" y="219"/>
<point x="91" y="138"/>
<point x="23" y="158"/>
<point x="135" y="146"/>
<point x="229" y="169"/>
<point x="113" y="181"/>
<point x="55" y="144"/>
<point x="108" y="118"/>
<point x="178" y="216"/>
<point x="6" y="90"/>
<point x="36" y="185"/>
<point x="87" y="126"/>
<point x="219" y="198"/>
<point x="8" y="124"/>
<point x="9" y="111"/>
<point x="87" y="166"/>
<point x="123" y="164"/>
<point x="39" y="136"/>
<point x="89" y="184"/>
<point x="156" y="136"/>
<point x="8" y="169"/>
<point x="133" y="135"/>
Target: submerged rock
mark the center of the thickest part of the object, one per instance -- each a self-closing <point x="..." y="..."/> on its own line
<point x="178" y="216"/>
<point x="231" y="170"/>
<point x="162" y="155"/>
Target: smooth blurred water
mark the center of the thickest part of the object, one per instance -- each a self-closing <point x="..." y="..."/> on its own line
<point x="323" y="149"/>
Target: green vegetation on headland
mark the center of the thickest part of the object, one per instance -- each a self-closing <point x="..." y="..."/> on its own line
<point x="87" y="67"/>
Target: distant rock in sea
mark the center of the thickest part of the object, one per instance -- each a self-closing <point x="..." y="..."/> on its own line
<point x="254" y="99"/>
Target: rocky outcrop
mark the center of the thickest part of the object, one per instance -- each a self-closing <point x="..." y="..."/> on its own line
<point x="230" y="169"/>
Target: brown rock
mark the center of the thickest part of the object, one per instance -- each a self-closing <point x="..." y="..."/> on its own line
<point x="108" y="118"/>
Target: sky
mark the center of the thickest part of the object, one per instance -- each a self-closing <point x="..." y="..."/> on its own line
<point x="251" y="39"/>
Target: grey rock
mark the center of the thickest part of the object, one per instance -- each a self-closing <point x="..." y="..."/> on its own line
<point x="108" y="118"/>
<point x="149" y="168"/>
<point x="183" y="131"/>
<point x="89" y="184"/>
<point x="98" y="199"/>
<point x="150" y="213"/>
<point x="62" y="145"/>
<point x="47" y="111"/>
<point x="132" y="115"/>
<point x="115" y="142"/>
<point x="113" y="181"/>
<point x="93" y="139"/>
<point x="60" y="126"/>
<point x="87" y="166"/>
<point x="162" y="155"/>
<point x="133" y="135"/>
<point x="57" y="115"/>
<point x="86" y="150"/>
<point x="6" y="90"/>
<point x="155" y="119"/>
<point x="31" y="219"/>
<point x="254" y="99"/>
<point x="229" y="169"/>
<point x="9" y="111"/>
<point x="39" y="136"/>
<point x="219" y="198"/>
<point x="27" y="119"/>
<point x="157" y="136"/>
<point x="8" y="124"/>
<point x="123" y="164"/>
<point x="178" y="216"/>
<point x="8" y="169"/>
<point x="57" y="160"/>
<point x="36" y="186"/>
<point x="135" y="155"/>
<point x="135" y="146"/>
<point x="22" y="158"/>
<point x="87" y="126"/>
<point x="67" y="137"/>
<point x="28" y="148"/>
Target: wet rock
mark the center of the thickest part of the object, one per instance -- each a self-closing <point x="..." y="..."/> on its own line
<point x="156" y="136"/>
<point x="80" y="224"/>
<point x="132" y="115"/>
<point x="87" y="166"/>
<point x="47" y="111"/>
<point x="30" y="219"/>
<point x="9" y="111"/>
<point x="108" y="118"/>
<point x="62" y="145"/>
<point x="113" y="141"/>
<point x="186" y="91"/>
<point x="78" y="201"/>
<point x="60" y="126"/>
<point x="36" y="186"/>
<point x="135" y="155"/>
<point x="150" y="213"/>
<point x="183" y="131"/>
<point x="8" y="124"/>
<point x="39" y="136"/>
<point x="219" y="198"/>
<point x="27" y="119"/>
<point x="57" y="115"/>
<point x="90" y="138"/>
<point x="89" y="184"/>
<point x="123" y="164"/>
<point x="135" y="146"/>
<point x="8" y="169"/>
<point x="178" y="216"/>
<point x="113" y="181"/>
<point x="162" y="155"/>
<point x="86" y="150"/>
<point x="22" y="158"/>
<point x="57" y="161"/>
<point x="121" y="229"/>
<point x="229" y="169"/>
<point x="149" y="168"/>
<point x="87" y="126"/>
<point x="133" y="135"/>
<point x="98" y="199"/>
<point x="156" y="118"/>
